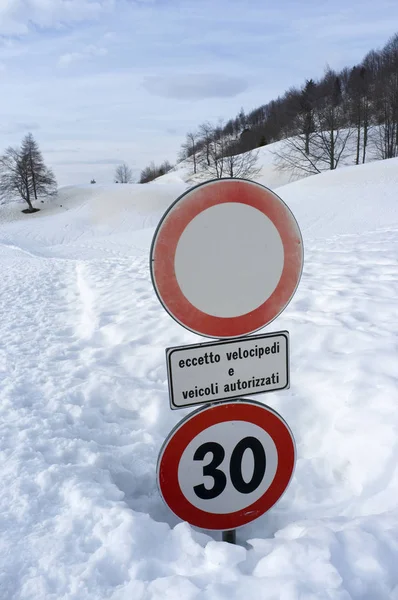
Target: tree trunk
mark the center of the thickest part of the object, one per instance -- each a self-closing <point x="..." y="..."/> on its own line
<point x="332" y="148"/>
<point x="365" y="131"/>
<point x="358" y="139"/>
<point x="27" y="197"/>
<point x="32" y="172"/>
<point x="307" y="143"/>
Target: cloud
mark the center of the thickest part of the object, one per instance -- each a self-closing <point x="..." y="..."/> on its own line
<point x="90" y="51"/>
<point x="18" y="16"/>
<point x="195" y="87"/>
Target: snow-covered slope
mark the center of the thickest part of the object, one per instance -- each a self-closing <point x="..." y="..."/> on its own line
<point x="84" y="406"/>
<point x="88" y="218"/>
<point x="268" y="174"/>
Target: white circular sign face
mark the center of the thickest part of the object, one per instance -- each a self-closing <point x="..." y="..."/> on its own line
<point x="237" y="268"/>
<point x="246" y="471"/>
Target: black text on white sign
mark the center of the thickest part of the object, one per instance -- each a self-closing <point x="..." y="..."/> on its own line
<point x="204" y="373"/>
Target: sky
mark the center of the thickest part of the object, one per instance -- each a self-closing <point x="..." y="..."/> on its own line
<point x="99" y="82"/>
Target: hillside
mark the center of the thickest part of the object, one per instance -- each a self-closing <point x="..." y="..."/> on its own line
<point x="269" y="174"/>
<point x="84" y="404"/>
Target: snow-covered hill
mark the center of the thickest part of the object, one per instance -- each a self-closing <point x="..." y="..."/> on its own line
<point x="84" y="405"/>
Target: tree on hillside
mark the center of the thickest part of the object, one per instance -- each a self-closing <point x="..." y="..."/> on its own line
<point x="190" y="150"/>
<point x="321" y="132"/>
<point x="386" y="101"/>
<point x="213" y="160"/>
<point x="206" y="133"/>
<point x="292" y="157"/>
<point x="359" y="106"/>
<point x="14" y="176"/>
<point x="296" y="154"/>
<point x="123" y="174"/>
<point x="24" y="174"/>
<point x="306" y="113"/>
<point x="242" y="165"/>
<point x="152" y="171"/>
<point x="41" y="179"/>
<point x="221" y="156"/>
<point x="334" y="131"/>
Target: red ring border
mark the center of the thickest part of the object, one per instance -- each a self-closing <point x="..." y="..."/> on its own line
<point x="170" y="229"/>
<point x="178" y="440"/>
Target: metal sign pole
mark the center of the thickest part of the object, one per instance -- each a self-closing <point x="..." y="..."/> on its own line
<point x="229" y="536"/>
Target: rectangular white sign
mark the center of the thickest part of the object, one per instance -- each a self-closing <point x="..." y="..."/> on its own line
<point x="221" y="370"/>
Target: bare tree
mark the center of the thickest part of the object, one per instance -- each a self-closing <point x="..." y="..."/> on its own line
<point x="359" y="105"/>
<point x="206" y="133"/>
<point x="385" y="138"/>
<point x="242" y="165"/>
<point x="333" y="132"/>
<point x="220" y="156"/>
<point x="386" y="96"/>
<point x="42" y="180"/>
<point x="14" y="176"/>
<point x="323" y="145"/>
<point x="190" y="150"/>
<point x="213" y="160"/>
<point x="328" y="147"/>
<point x="123" y="174"/>
<point x="45" y="183"/>
<point x="292" y="156"/>
<point x="305" y="122"/>
<point x="152" y="171"/>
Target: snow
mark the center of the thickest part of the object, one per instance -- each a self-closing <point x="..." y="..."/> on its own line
<point x="84" y="405"/>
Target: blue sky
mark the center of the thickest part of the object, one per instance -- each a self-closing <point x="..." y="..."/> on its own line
<point x="102" y="81"/>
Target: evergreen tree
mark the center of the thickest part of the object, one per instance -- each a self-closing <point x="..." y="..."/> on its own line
<point x="41" y="179"/>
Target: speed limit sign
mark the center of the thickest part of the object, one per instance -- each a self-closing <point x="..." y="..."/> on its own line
<point x="225" y="465"/>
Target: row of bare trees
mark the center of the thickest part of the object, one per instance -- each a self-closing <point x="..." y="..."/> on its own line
<point x="124" y="174"/>
<point x="24" y="174"/>
<point x="363" y="98"/>
<point x="153" y="171"/>
<point x="344" y="115"/>
<point x="319" y="135"/>
<point x="212" y="151"/>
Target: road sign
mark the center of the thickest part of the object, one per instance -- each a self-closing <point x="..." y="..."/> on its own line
<point x="226" y="258"/>
<point x="225" y="465"/>
<point x="203" y="373"/>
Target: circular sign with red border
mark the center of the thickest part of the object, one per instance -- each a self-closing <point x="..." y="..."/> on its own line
<point x="225" y="465"/>
<point x="226" y="258"/>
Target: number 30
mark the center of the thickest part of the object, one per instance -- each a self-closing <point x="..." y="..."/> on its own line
<point x="235" y="467"/>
